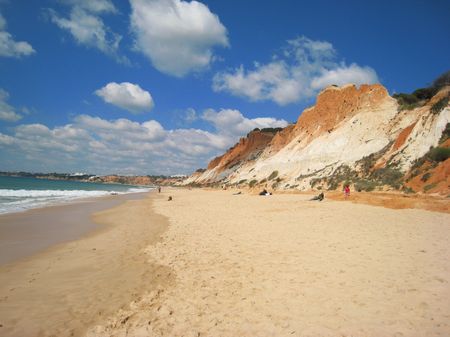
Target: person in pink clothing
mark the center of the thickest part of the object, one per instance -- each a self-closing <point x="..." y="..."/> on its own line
<point x="346" y="191"/>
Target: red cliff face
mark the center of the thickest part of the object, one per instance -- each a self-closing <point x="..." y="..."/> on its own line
<point x="336" y="104"/>
<point x="362" y="130"/>
<point x="333" y="105"/>
<point x="282" y="138"/>
<point x="255" y="142"/>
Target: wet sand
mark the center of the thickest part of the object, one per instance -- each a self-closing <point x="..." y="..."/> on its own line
<point x="69" y="287"/>
<point x="26" y="233"/>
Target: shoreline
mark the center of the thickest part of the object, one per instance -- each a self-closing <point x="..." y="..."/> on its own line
<point x="23" y="234"/>
<point x="70" y="286"/>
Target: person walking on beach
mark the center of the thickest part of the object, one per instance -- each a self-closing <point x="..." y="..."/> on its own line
<point x="159" y="189"/>
<point x="346" y="191"/>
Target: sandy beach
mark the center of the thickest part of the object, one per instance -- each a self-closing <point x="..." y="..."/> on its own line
<point x="246" y="265"/>
<point x="210" y="263"/>
<point x="23" y="234"/>
<point x="64" y="289"/>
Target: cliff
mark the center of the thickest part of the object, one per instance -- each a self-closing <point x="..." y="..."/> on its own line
<point x="362" y="136"/>
<point x="247" y="150"/>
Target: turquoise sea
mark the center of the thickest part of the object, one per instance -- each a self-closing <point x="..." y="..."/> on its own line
<point x="21" y="193"/>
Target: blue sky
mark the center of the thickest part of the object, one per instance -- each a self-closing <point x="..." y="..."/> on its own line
<point x="163" y="86"/>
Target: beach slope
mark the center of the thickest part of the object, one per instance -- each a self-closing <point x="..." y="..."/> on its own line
<point x="72" y="286"/>
<point x="282" y="265"/>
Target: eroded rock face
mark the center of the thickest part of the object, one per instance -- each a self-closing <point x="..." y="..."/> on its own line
<point x="346" y="125"/>
<point x="335" y="104"/>
<point x="255" y="142"/>
<point x="246" y="150"/>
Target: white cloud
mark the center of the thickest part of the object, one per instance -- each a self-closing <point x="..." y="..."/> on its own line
<point x="6" y="140"/>
<point x="190" y="115"/>
<point x="123" y="146"/>
<point x="127" y="96"/>
<point x="9" y="47"/>
<point x="343" y="75"/>
<point x="95" y="6"/>
<point x="7" y="112"/>
<point x="87" y="27"/>
<point x="232" y="123"/>
<point x="304" y="67"/>
<point x="177" y="36"/>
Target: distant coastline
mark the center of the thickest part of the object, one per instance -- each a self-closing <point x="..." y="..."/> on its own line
<point x="147" y="180"/>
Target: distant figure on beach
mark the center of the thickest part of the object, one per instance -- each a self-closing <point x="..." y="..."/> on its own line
<point x="346" y="191"/>
<point x="169" y="199"/>
<point x="264" y="192"/>
<point x="319" y="197"/>
<point x="159" y="189"/>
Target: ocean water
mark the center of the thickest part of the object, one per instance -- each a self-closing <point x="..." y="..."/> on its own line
<point x="18" y="194"/>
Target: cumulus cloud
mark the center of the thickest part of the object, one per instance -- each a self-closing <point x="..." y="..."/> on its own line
<point x="302" y="69"/>
<point x="177" y="36"/>
<point x="9" y="47"/>
<point x="7" y="112"/>
<point x="94" y="6"/>
<point x="86" y="26"/>
<point x="127" y="96"/>
<point x="103" y="146"/>
<point x="343" y="74"/>
<point x="232" y="123"/>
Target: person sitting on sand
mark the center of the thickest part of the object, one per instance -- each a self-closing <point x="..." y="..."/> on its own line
<point x="319" y="197"/>
<point x="169" y="199"/>
<point x="264" y="192"/>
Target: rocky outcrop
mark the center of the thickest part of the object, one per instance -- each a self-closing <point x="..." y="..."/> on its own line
<point x="355" y="134"/>
<point x="248" y="149"/>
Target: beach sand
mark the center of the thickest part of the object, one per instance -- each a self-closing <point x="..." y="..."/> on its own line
<point x="238" y="265"/>
<point x="246" y="265"/>
<point x="71" y="286"/>
<point x="26" y="233"/>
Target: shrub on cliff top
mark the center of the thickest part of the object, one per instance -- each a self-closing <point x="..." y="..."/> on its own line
<point x="411" y="101"/>
<point x="271" y="130"/>
<point x="406" y="101"/>
<point x="442" y="80"/>
<point x="439" y="105"/>
<point x="425" y="93"/>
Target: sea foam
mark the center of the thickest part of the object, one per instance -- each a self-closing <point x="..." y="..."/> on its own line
<point x="12" y="201"/>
